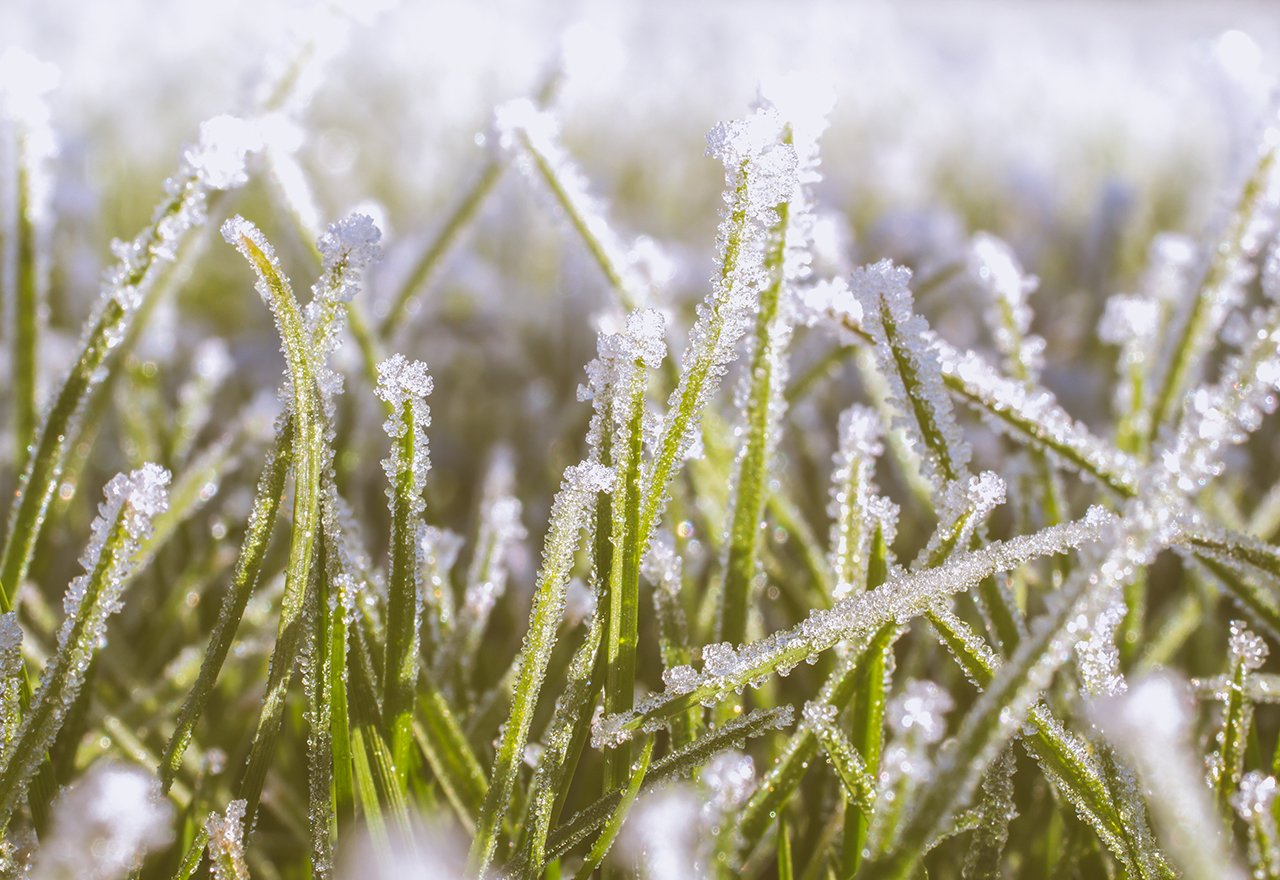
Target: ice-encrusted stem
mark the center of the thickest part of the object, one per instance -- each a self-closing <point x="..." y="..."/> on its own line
<point x="403" y="385"/>
<point x="216" y="163"/>
<point x="1247" y="654"/>
<point x="619" y="377"/>
<point x="1148" y="724"/>
<point x="902" y="597"/>
<point x="531" y="137"/>
<point x="569" y="516"/>
<point x="307" y="454"/>
<point x="124" y="517"/>
<point x="27" y="148"/>
<point x="244" y="579"/>
<point x="758" y="168"/>
<point x="785" y="265"/>
<point x="1229" y="269"/>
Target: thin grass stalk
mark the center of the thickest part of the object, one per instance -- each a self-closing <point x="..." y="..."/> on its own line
<point x="568" y="517"/>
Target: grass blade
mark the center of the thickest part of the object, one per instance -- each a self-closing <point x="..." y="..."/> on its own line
<point x="568" y="517"/>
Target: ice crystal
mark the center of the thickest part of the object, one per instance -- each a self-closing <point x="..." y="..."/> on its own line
<point x="1256" y="794"/>
<point x="404" y="386"/>
<point x="103" y="824"/>
<point x="998" y="269"/>
<point x="347" y="247"/>
<point x="1247" y="649"/>
<point x="908" y="358"/>
<point x="226" y="842"/>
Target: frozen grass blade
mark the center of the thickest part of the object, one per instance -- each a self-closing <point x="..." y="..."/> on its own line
<point x="860" y="787"/>
<point x="531" y="137"/>
<point x="307" y="454"/>
<point x="785" y="265"/>
<point x="759" y="171"/>
<point x="404" y="385"/>
<point x="903" y="597"/>
<point x="25" y="219"/>
<point x="215" y="163"/>
<point x="1248" y="653"/>
<point x="568" y="517"/>
<point x="123" y="520"/>
<point x="1219" y="291"/>
<point x="262" y="518"/>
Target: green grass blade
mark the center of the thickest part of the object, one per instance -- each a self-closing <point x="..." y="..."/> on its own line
<point x="123" y="519"/>
<point x="404" y="385"/>
<point x="614" y="824"/>
<point x="568" y="517"/>
<point x="307" y="455"/>
<point x="262" y="517"/>
<point x="902" y="597"/>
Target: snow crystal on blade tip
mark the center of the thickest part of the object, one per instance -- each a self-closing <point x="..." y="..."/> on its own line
<point x="352" y="241"/>
<point x="1246" y="647"/>
<point x="219" y="157"/>
<point x="646" y="333"/>
<point x="1255" y="795"/>
<point x="401" y="380"/>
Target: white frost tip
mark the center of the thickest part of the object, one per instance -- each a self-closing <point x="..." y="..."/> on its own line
<point x="350" y="243"/>
<point x="829" y="299"/>
<point x="226" y="842"/>
<point x="1246" y="647"/>
<point x="1254" y="797"/>
<point x="24" y="81"/>
<point x="219" y="156"/>
<point x="103" y="824"/>
<point x="920" y="710"/>
<point x="1128" y="318"/>
<point x="144" y="489"/>
<point x="401" y="380"/>
<point x="646" y="332"/>
<point x="987" y="491"/>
